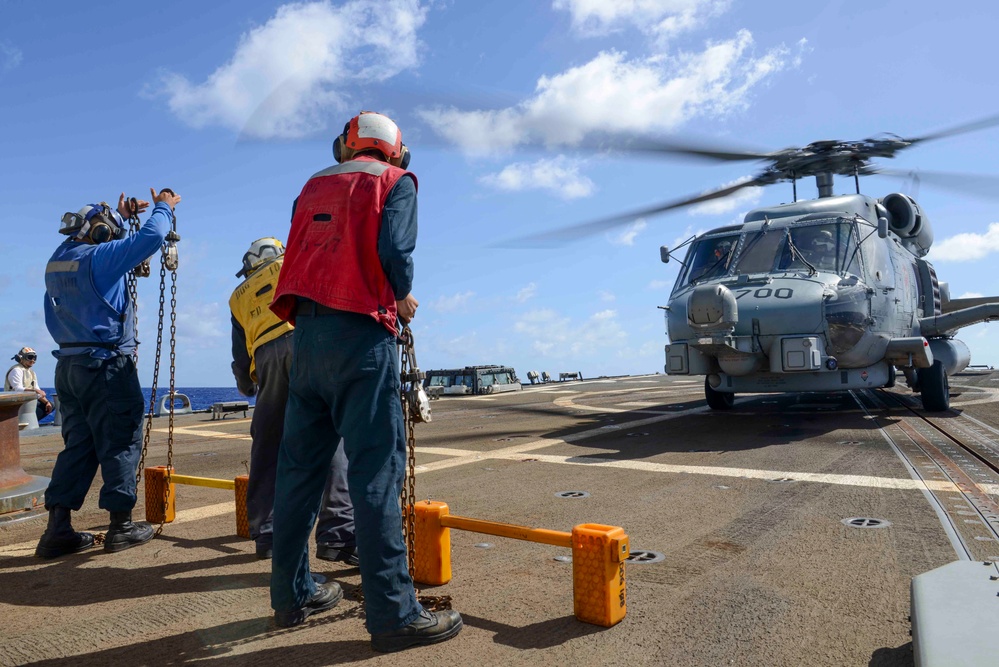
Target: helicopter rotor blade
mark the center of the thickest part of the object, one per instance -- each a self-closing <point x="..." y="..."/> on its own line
<point x="576" y="232"/>
<point x="626" y="143"/>
<point x="972" y="126"/>
<point x="979" y="185"/>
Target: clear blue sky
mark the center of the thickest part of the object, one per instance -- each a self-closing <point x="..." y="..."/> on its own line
<point x="233" y="104"/>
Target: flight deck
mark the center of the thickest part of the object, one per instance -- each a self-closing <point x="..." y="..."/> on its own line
<point x="784" y="531"/>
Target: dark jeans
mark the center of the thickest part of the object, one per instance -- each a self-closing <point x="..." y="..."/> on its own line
<point x="102" y="406"/>
<point x="336" y="515"/>
<point x="344" y="382"/>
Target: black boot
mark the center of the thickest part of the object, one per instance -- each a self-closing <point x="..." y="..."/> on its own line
<point x="59" y="537"/>
<point x="123" y="533"/>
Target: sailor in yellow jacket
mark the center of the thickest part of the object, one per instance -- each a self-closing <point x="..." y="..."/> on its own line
<point x="261" y="353"/>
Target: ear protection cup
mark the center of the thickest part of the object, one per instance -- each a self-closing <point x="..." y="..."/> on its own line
<point x="340" y="143"/>
<point x="403" y="160"/>
<point x="100" y="232"/>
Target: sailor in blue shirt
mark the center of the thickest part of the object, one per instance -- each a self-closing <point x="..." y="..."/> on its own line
<point x="90" y="315"/>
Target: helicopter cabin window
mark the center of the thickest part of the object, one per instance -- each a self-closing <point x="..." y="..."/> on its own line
<point x="828" y="248"/>
<point x="710" y="258"/>
<point x="758" y="251"/>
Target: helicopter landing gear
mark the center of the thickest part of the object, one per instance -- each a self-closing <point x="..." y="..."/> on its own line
<point x="934" y="387"/>
<point x="718" y="400"/>
<point x="891" y="376"/>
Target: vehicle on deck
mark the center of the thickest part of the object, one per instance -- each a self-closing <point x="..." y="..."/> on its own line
<point x="473" y="380"/>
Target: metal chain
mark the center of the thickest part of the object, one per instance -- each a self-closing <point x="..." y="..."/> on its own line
<point x="156" y="375"/>
<point x="408" y="496"/>
<point x="133" y="276"/>
<point x="410" y="374"/>
<point x="173" y="371"/>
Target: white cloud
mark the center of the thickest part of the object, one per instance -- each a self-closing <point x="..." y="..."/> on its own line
<point x="199" y="325"/>
<point x="606" y="295"/>
<point x="10" y="56"/>
<point x="971" y="295"/>
<point x="747" y="197"/>
<point x="558" y="175"/>
<point x="662" y="19"/>
<point x="288" y="75"/>
<point x="448" y="304"/>
<point x="526" y="292"/>
<point x="636" y="95"/>
<point x="556" y="336"/>
<point x="627" y="237"/>
<point x="967" y="247"/>
<point x="659" y="284"/>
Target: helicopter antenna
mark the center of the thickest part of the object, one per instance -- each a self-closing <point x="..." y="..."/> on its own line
<point x="856" y="177"/>
<point x="794" y="187"/>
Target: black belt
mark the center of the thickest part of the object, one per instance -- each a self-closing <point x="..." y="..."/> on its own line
<point x="106" y="346"/>
<point x="307" y="307"/>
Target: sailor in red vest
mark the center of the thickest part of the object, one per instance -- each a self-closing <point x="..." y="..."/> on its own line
<point x="346" y="280"/>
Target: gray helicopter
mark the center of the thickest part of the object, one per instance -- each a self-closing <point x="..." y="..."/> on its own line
<point x="827" y="294"/>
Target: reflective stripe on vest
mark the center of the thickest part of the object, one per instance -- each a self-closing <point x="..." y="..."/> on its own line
<point x="250" y="305"/>
<point x="332" y="254"/>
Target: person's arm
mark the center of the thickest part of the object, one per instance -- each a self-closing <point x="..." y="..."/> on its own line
<point x="112" y="260"/>
<point x="241" y="360"/>
<point x="396" y="242"/>
<point x="16" y="379"/>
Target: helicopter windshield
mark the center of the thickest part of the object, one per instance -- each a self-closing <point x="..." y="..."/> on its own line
<point x="709" y="258"/>
<point x="822" y="247"/>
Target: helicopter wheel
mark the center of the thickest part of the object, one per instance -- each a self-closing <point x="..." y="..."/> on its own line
<point x="891" y="376"/>
<point x="718" y="400"/>
<point x="934" y="387"/>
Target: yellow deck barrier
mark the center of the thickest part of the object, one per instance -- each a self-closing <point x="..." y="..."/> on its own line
<point x="598" y="554"/>
<point x="159" y="512"/>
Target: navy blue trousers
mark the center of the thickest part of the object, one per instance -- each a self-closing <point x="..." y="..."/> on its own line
<point x="101" y="405"/>
<point x="336" y="514"/>
<point x="344" y="382"/>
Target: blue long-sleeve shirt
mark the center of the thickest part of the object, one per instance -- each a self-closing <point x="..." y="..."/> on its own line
<point x="109" y="263"/>
<point x="397" y="236"/>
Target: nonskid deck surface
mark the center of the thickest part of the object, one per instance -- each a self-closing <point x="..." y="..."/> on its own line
<point x="751" y="510"/>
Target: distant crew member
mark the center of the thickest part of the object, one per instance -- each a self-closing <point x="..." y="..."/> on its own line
<point x="21" y="377"/>
<point x="88" y="311"/>
<point x="347" y="278"/>
<point x="261" y="353"/>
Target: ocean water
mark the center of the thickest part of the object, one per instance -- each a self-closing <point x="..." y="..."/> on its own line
<point x="201" y="397"/>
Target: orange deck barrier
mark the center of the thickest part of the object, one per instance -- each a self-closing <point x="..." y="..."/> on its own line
<point x="598" y="555"/>
<point x="159" y="512"/>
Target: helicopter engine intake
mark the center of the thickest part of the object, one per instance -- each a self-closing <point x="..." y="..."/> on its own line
<point x="908" y="221"/>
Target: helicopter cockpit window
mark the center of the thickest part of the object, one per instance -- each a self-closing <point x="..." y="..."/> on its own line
<point x="824" y="247"/>
<point x="710" y="258"/>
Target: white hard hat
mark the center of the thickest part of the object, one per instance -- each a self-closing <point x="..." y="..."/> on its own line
<point x="261" y="250"/>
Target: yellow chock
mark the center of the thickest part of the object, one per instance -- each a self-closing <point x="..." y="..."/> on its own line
<point x="156" y="510"/>
<point x="598" y="583"/>
<point x="242" y="519"/>
<point x="432" y="560"/>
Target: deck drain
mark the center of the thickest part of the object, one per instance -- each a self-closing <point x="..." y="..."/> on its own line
<point x="572" y="494"/>
<point x="563" y="559"/>
<point x="865" y="522"/>
<point x="483" y="545"/>
<point x="643" y="557"/>
<point x="849" y="442"/>
<point x="782" y="480"/>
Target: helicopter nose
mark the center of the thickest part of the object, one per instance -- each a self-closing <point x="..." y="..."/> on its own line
<point x="712" y="308"/>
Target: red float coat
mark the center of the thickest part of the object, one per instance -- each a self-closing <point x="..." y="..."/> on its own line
<point x="332" y="252"/>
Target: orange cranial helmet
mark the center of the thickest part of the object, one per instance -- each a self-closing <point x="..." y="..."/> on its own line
<point x="371" y="131"/>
